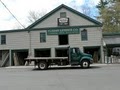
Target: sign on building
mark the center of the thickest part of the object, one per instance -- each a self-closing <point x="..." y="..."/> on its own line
<point x="63" y="21"/>
<point x="63" y="31"/>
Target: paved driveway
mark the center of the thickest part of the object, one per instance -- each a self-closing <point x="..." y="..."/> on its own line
<point x="104" y="77"/>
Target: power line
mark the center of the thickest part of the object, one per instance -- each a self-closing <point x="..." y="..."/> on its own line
<point x="11" y="13"/>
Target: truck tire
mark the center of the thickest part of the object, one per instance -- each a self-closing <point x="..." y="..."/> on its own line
<point x="85" y="64"/>
<point x="42" y="65"/>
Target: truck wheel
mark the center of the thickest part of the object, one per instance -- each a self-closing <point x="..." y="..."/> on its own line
<point x="42" y="65"/>
<point x="85" y="64"/>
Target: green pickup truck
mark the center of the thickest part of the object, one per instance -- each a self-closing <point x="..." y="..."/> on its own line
<point x="75" y="57"/>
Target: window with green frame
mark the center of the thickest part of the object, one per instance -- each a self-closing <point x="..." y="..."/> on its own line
<point x="84" y="36"/>
<point x="62" y="14"/>
<point x="3" y="39"/>
<point x="42" y="37"/>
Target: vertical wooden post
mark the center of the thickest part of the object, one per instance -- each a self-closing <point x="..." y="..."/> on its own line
<point x="10" y="58"/>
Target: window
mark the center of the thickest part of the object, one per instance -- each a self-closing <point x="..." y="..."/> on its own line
<point x="63" y="20"/>
<point x="63" y="39"/>
<point x="76" y="50"/>
<point x="84" y="36"/>
<point x="42" y="37"/>
<point x="3" y="39"/>
<point x="62" y="14"/>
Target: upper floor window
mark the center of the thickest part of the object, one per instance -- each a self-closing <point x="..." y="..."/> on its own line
<point x="63" y="39"/>
<point x="62" y="14"/>
<point x="84" y="36"/>
<point x="63" y="20"/>
<point x="43" y="37"/>
<point x="3" y="39"/>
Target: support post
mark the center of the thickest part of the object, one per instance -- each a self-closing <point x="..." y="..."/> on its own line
<point x="10" y="58"/>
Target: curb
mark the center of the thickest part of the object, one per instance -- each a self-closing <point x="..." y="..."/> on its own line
<point x="21" y="67"/>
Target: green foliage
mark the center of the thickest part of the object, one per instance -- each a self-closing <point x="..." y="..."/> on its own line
<point x="109" y="11"/>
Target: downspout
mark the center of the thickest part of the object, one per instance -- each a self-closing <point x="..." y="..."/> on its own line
<point x="30" y="48"/>
<point x="102" y="45"/>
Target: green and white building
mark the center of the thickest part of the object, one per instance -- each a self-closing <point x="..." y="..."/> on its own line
<point x="50" y="35"/>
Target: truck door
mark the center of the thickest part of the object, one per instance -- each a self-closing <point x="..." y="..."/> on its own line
<point x="75" y="55"/>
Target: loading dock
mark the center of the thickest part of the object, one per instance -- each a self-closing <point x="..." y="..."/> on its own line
<point x="18" y="57"/>
<point x="61" y="52"/>
<point x="95" y="52"/>
<point x="46" y="52"/>
<point x="4" y="58"/>
<point x="0" y="57"/>
<point x="112" y="54"/>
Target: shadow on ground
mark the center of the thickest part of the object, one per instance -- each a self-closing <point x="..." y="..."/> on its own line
<point x="67" y="68"/>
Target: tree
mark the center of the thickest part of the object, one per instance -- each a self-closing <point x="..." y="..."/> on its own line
<point x="35" y="15"/>
<point x="109" y="11"/>
<point x="89" y="9"/>
<point x="86" y="8"/>
<point x="31" y="18"/>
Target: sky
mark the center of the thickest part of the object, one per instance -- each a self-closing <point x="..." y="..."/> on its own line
<point x="21" y="8"/>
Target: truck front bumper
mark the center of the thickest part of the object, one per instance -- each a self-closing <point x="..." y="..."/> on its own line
<point x="91" y="61"/>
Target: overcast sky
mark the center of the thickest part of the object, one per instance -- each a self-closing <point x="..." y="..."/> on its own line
<point x="20" y="9"/>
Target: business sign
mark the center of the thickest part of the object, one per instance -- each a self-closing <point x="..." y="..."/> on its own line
<point x="63" y="31"/>
<point x="63" y="21"/>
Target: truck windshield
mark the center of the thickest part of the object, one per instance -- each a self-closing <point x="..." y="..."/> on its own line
<point x="77" y="50"/>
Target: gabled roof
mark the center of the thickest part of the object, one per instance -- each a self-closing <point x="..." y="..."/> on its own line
<point x="68" y="8"/>
<point x="111" y="34"/>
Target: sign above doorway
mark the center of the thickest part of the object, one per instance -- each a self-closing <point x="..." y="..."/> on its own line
<point x="63" y="31"/>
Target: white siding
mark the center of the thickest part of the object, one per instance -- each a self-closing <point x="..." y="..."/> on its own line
<point x="112" y="40"/>
<point x="75" y="20"/>
<point x="94" y="37"/>
<point x="74" y="40"/>
<point x="51" y="40"/>
<point x="16" y="40"/>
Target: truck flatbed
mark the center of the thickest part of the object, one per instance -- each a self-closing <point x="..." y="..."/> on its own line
<point x="46" y="58"/>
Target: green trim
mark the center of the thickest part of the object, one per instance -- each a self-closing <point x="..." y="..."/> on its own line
<point x="63" y="14"/>
<point x="4" y="49"/>
<point x="42" y="49"/>
<point x="42" y="37"/>
<point x="64" y="27"/>
<point x="68" y="8"/>
<point x="3" y="39"/>
<point x="84" y="35"/>
<point x="111" y="34"/>
<point x="112" y="45"/>
<point x="47" y="28"/>
<point x="20" y="50"/>
<point x="16" y="30"/>
<point x="90" y="47"/>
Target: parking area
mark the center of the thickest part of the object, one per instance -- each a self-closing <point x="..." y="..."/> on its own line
<point x="98" y="77"/>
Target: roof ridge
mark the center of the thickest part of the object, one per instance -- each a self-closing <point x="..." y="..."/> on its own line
<point x="68" y="8"/>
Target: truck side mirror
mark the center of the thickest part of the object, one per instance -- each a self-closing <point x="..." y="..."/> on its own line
<point x="73" y="51"/>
